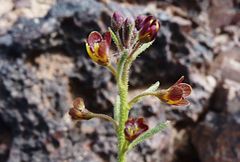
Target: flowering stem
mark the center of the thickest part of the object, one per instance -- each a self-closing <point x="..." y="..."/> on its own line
<point x="131" y="40"/>
<point x="112" y="69"/>
<point x="136" y="47"/>
<point x="122" y="157"/>
<point x="122" y="81"/>
<point x="108" y="118"/>
<point x="137" y="98"/>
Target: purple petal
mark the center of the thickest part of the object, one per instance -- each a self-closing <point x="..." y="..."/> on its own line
<point x="94" y="37"/>
<point x="107" y="37"/>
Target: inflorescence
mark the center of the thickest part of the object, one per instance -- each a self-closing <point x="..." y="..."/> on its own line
<point x="131" y="38"/>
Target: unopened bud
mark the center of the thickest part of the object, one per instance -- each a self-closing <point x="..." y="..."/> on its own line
<point x="149" y="29"/>
<point x="127" y="32"/>
<point x="117" y="21"/>
<point x="78" y="111"/>
<point x="138" y="21"/>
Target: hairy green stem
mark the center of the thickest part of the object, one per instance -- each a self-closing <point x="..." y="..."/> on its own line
<point x="122" y="82"/>
<point x="137" y="98"/>
<point x="122" y="157"/>
<point x="123" y="72"/>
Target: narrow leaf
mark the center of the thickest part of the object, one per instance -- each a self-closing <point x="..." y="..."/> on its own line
<point x="142" y="49"/>
<point x="115" y="39"/>
<point x="152" y="88"/>
<point x="148" y="134"/>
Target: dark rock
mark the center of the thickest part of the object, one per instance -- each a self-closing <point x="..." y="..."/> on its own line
<point x="218" y="132"/>
<point x="210" y="136"/>
<point x="44" y="65"/>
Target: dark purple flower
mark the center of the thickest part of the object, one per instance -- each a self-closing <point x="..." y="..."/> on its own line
<point x="98" y="47"/>
<point x="148" y="29"/>
<point x="134" y="127"/>
<point x="176" y="94"/>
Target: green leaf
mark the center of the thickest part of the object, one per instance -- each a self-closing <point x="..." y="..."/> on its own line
<point x="115" y="39"/>
<point x="152" y="88"/>
<point x="141" y="49"/>
<point x="117" y="109"/>
<point x="147" y="92"/>
<point x="148" y="134"/>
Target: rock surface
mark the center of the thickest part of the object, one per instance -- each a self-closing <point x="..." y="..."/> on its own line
<point x="43" y="66"/>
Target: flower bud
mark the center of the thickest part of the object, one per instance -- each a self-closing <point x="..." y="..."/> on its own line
<point x="78" y="111"/>
<point x="139" y="20"/>
<point x="176" y="94"/>
<point x="98" y="47"/>
<point x="127" y="33"/>
<point x="117" y="21"/>
<point x="148" y="29"/>
<point x="134" y="128"/>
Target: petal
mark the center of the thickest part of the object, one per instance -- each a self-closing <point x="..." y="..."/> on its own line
<point x="153" y="32"/>
<point x="78" y="103"/>
<point x="76" y="114"/>
<point x="183" y="102"/>
<point x="179" y="80"/>
<point x="144" y="29"/>
<point x="103" y="49"/>
<point x="141" y="123"/>
<point x="157" y="24"/>
<point x="118" y="17"/>
<point x="130" y="121"/>
<point x="93" y="55"/>
<point x="90" y="51"/>
<point x="149" y="19"/>
<point x="94" y="37"/>
<point x="140" y="120"/>
<point x="107" y="37"/>
<point x="102" y="53"/>
<point x="187" y="89"/>
<point x="175" y="93"/>
<point x="139" y="21"/>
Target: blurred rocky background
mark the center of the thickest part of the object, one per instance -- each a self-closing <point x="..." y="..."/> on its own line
<point x="44" y="65"/>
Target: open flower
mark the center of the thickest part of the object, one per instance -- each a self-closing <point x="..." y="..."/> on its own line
<point x="98" y="47"/>
<point x="134" y="128"/>
<point x="148" y="28"/>
<point x="176" y="94"/>
<point x="78" y="111"/>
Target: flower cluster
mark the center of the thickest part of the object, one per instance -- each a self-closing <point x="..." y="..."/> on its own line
<point x="131" y="38"/>
<point x="130" y="34"/>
